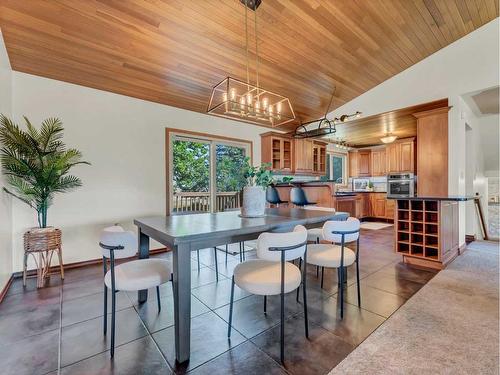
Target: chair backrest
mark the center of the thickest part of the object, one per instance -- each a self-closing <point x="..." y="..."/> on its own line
<point x="282" y="240"/>
<point x="298" y="197"/>
<point x="116" y="236"/>
<point x="349" y="225"/>
<point x="272" y="195"/>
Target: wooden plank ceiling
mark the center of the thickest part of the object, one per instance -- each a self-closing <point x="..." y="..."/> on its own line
<point x="174" y="51"/>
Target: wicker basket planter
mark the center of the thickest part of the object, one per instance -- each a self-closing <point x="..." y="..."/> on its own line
<point x="41" y="243"/>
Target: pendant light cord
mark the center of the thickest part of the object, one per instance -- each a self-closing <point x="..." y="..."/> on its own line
<point x="246" y="42"/>
<point x="331" y="101"/>
<point x="256" y="53"/>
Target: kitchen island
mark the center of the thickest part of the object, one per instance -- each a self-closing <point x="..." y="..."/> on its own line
<point x="360" y="204"/>
<point x="427" y="230"/>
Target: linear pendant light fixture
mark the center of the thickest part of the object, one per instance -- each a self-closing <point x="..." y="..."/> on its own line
<point x="243" y="101"/>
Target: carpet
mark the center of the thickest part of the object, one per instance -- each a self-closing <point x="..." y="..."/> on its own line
<point x="374" y="225"/>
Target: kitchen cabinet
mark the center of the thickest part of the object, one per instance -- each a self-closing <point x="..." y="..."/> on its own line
<point x="363" y="205"/>
<point x="353" y="163"/>
<point x="346" y="204"/>
<point x="378" y="205"/>
<point x="360" y="163"/>
<point x="400" y="156"/>
<point x="432" y="152"/>
<point x="378" y="160"/>
<point x="389" y="208"/>
<point x="303" y="156"/>
<point x="364" y="163"/>
<point x="278" y="151"/>
<point x="319" y="158"/>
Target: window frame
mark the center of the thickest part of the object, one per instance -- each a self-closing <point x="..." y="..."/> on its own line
<point x="172" y="134"/>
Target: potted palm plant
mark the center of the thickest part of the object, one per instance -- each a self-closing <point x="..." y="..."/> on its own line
<point x="36" y="164"/>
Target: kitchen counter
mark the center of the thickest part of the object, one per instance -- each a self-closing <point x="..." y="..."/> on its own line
<point x="451" y="198"/>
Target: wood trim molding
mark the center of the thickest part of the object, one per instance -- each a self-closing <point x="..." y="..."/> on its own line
<point x="6" y="288"/>
<point x="432" y="112"/>
<point x="189" y="133"/>
<point x="86" y="263"/>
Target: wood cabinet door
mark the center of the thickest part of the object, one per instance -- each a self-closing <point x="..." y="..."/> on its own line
<point x="346" y="205"/>
<point x="378" y="205"/>
<point x="322" y="160"/>
<point x="353" y="164"/>
<point x="375" y="163"/>
<point x="392" y="158"/>
<point x="383" y="162"/>
<point x="303" y="155"/>
<point x="406" y="157"/>
<point x="389" y="208"/>
<point x="364" y="163"/>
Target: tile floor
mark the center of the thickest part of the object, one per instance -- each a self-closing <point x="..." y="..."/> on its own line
<point x="59" y="328"/>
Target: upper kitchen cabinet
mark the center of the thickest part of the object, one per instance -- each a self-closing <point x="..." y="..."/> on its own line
<point x="277" y="149"/>
<point x="303" y="156"/>
<point x="360" y="163"/>
<point x="319" y="157"/>
<point x="378" y="160"/>
<point x="400" y="156"/>
<point x="432" y="163"/>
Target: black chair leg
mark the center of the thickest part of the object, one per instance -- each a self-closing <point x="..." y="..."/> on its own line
<point x="113" y="317"/>
<point x="317" y="271"/>
<point x="198" y="259"/>
<point x="216" y="265"/>
<point x="306" y="321"/>
<point x="226" y="253"/>
<point x="282" y="330"/>
<point x="105" y="310"/>
<point x="341" y="293"/>
<point x="241" y="254"/>
<point x="231" y="308"/>
<point x="298" y="289"/>
<point x="158" y="298"/>
<point x="322" y="276"/>
<point x="265" y="304"/>
<point x="243" y="250"/>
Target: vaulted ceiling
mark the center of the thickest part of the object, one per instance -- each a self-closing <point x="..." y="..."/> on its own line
<point x="175" y="51"/>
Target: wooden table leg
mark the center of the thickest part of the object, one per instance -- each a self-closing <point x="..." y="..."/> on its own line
<point x="142" y="295"/>
<point x="182" y="301"/>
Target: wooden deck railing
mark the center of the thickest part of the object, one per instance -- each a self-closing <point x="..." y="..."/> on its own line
<point x="200" y="202"/>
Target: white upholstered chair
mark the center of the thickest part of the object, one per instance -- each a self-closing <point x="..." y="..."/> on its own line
<point x="134" y="275"/>
<point x="335" y="256"/>
<point x="273" y="273"/>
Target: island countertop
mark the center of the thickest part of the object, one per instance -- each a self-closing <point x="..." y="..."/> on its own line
<point x="451" y="198"/>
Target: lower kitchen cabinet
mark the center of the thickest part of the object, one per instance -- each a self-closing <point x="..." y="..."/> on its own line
<point x="378" y="205"/>
<point x="346" y="204"/>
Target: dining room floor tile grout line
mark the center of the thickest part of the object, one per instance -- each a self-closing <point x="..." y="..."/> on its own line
<point x="59" y="341"/>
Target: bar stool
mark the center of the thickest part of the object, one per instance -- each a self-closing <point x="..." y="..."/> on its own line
<point x="135" y="275"/>
<point x="273" y="273"/>
<point x="334" y="256"/>
<point x="273" y="197"/>
<point x="298" y="197"/>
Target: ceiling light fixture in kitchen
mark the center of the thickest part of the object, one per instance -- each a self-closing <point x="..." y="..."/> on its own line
<point x="243" y="101"/>
<point x="388" y="138"/>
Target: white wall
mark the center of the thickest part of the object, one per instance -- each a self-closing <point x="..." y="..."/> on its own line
<point x="124" y="139"/>
<point x="5" y="200"/>
<point x="469" y="64"/>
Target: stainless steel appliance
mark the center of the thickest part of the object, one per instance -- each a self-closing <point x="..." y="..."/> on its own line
<point x="400" y="185"/>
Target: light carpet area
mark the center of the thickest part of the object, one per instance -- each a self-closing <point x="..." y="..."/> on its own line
<point x="374" y="225"/>
<point x="450" y="326"/>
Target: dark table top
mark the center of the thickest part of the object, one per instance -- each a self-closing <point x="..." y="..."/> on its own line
<point x="455" y="198"/>
<point x="175" y="229"/>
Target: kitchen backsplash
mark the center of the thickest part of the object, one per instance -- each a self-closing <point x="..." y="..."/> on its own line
<point x="379" y="183"/>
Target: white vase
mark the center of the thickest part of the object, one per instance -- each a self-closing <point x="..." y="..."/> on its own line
<point x="254" y="201"/>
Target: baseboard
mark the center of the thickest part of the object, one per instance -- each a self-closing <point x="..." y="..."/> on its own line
<point x="462" y="248"/>
<point x="85" y="263"/>
<point x="6" y="288"/>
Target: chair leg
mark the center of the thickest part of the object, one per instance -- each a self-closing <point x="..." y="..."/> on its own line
<point x="298" y="289"/>
<point x="304" y="287"/>
<point x="105" y="322"/>
<point x="158" y="298"/>
<point x="357" y="277"/>
<point x="61" y="265"/>
<point x="113" y="319"/>
<point x="322" y="276"/>
<point x="241" y="254"/>
<point x="317" y="271"/>
<point x="231" y="308"/>
<point x="216" y="265"/>
<point x="341" y="293"/>
<point x="25" y="266"/>
<point x="226" y="253"/>
<point x="198" y="259"/>
<point x="265" y="304"/>
<point x="282" y="328"/>
<point x="243" y="250"/>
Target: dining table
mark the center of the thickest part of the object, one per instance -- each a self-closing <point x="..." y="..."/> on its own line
<point x="185" y="233"/>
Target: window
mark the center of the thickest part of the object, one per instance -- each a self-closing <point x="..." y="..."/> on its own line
<point x="337" y="168"/>
<point x="205" y="173"/>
